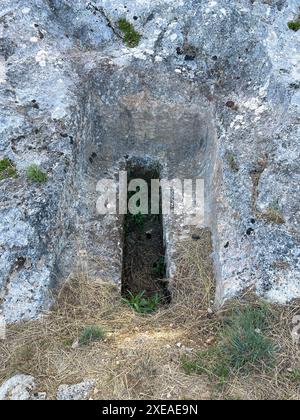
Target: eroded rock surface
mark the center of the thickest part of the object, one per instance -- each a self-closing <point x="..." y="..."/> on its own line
<point x="74" y="100"/>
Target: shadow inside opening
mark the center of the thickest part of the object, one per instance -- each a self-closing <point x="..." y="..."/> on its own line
<point x="144" y="266"/>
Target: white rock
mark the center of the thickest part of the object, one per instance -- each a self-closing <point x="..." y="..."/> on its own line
<point x="18" y="388"/>
<point x="75" y="392"/>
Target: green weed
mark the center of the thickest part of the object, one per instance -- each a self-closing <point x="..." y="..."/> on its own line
<point x="142" y="304"/>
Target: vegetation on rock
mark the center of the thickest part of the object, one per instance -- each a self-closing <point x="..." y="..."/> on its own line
<point x="35" y="174"/>
<point x="294" y="25"/>
<point x="131" y="36"/>
<point x="7" y="169"/>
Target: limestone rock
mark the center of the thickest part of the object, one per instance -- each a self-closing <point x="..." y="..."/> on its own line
<point x="211" y="91"/>
<point x="19" y="387"/>
<point x="75" y="392"/>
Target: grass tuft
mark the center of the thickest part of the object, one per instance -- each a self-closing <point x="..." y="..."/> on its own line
<point x="91" y="334"/>
<point x="35" y="174"/>
<point x="131" y="36"/>
<point x="243" y="346"/>
<point x="7" y="169"/>
<point x="244" y="342"/>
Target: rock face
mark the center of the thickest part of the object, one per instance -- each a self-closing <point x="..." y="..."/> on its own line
<point x="211" y="91"/>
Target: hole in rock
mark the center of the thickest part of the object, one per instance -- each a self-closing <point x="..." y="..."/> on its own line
<point x="157" y="120"/>
<point x="144" y="265"/>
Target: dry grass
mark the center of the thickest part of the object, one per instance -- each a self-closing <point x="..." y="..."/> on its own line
<point x="282" y="381"/>
<point x="141" y="355"/>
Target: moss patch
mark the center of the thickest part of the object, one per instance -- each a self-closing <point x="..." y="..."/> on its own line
<point x="7" y="169"/>
<point x="294" y="25"/>
<point x="131" y="36"/>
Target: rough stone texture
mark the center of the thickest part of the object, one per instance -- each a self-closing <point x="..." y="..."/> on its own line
<point x="75" y="392"/>
<point x="213" y="90"/>
<point x="18" y="388"/>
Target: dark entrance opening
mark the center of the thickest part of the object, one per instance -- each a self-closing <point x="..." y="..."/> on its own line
<point x="144" y="266"/>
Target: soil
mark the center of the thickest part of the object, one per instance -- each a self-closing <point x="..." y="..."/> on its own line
<point x="144" y="251"/>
